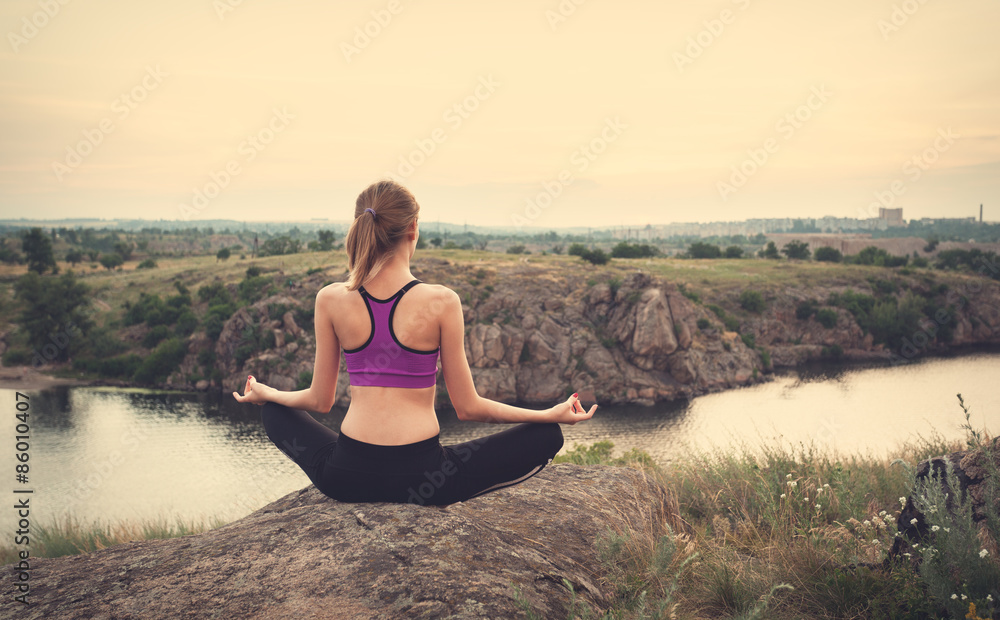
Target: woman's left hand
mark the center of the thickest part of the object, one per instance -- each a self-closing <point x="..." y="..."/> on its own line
<point x="254" y="392"/>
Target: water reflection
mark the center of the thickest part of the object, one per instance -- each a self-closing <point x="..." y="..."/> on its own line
<point x="111" y="454"/>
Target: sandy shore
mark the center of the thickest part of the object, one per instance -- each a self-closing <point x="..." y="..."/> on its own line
<point x="27" y="378"/>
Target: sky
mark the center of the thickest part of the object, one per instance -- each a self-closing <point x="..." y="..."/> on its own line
<point x="544" y="113"/>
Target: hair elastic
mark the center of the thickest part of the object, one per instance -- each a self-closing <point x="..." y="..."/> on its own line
<point x="372" y="211"/>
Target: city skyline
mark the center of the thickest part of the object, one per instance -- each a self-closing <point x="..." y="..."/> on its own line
<point x="539" y="114"/>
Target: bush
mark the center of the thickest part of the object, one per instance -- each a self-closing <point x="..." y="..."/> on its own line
<point x="752" y="301"/>
<point x="703" y="323"/>
<point x="798" y="250"/>
<point x="700" y="249"/>
<point x="749" y="340"/>
<point x="732" y="323"/>
<point x="161" y="362"/>
<point x="595" y="257"/>
<point x="16" y="357"/>
<point x="216" y="318"/>
<point x="576" y="249"/>
<point x="515" y="249"/>
<point x="877" y="257"/>
<point x="633" y="250"/>
<point x="734" y="251"/>
<point x="154" y="336"/>
<point x="805" y="310"/>
<point x="827" y="317"/>
<point x="828" y="255"/>
<point x="122" y="366"/>
<point x="149" y="263"/>
<point x="187" y="322"/>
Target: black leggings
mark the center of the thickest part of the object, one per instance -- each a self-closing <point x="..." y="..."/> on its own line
<point x="425" y="472"/>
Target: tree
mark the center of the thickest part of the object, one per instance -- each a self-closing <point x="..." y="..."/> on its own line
<point x="595" y="257"/>
<point x="37" y="246"/>
<point x="124" y="249"/>
<point x="700" y="249"/>
<point x="796" y="249"/>
<point x="53" y="313"/>
<point x="74" y="256"/>
<point x="436" y="242"/>
<point x="752" y="301"/>
<point x="734" y="251"/>
<point x="223" y="254"/>
<point x="771" y="251"/>
<point x="111" y="261"/>
<point x="325" y="241"/>
<point x="828" y="255"/>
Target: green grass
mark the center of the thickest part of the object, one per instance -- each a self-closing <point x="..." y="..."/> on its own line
<point x="785" y="533"/>
<point x="70" y="537"/>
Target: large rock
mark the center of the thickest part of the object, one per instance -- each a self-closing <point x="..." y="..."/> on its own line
<point x="971" y="470"/>
<point x="306" y="556"/>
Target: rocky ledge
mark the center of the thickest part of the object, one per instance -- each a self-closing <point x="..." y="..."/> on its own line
<point x="306" y="556"/>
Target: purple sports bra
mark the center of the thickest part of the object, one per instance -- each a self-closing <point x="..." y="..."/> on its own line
<point x="383" y="360"/>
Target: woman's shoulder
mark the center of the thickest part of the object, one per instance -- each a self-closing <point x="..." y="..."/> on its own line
<point x="435" y="292"/>
<point x="333" y="291"/>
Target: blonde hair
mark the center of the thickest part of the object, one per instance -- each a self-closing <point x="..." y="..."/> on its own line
<point x="373" y="238"/>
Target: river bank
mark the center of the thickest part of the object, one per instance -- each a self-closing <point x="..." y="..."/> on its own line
<point x="635" y="331"/>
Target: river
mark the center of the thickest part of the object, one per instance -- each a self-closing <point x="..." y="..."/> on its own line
<point x="111" y="454"/>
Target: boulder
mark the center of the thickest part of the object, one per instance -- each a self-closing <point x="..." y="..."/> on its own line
<point x="307" y="556"/>
<point x="971" y="473"/>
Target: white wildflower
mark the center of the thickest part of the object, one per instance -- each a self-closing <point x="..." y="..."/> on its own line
<point x="818" y="506"/>
<point x="826" y="486"/>
<point x="783" y="496"/>
<point x="793" y="483"/>
<point x="954" y="596"/>
<point x="947" y="529"/>
<point x="984" y="553"/>
<point x="913" y="521"/>
<point x="789" y="476"/>
<point x="881" y="513"/>
<point x="902" y="502"/>
<point x="964" y="597"/>
<point x="989" y="597"/>
<point x="934" y="528"/>
<point x="867" y="523"/>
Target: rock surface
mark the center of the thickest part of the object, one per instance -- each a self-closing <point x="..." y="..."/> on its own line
<point x="306" y="556"/>
<point x="970" y="469"/>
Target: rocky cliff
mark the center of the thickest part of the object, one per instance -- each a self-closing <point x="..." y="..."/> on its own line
<point x="306" y="556"/>
<point x="534" y="334"/>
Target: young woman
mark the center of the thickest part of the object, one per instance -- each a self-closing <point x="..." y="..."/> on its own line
<point x="392" y="329"/>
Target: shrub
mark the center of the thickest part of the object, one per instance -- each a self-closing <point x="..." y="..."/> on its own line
<point x="161" y="362"/>
<point x="576" y="249"/>
<point x="805" y="309"/>
<point x="515" y="249"/>
<point x="595" y="257"/>
<point x="734" y="251"/>
<point x="732" y="323"/>
<point x="700" y="249"/>
<point x="749" y="340"/>
<point x="828" y="255"/>
<point x="187" y="322"/>
<point x="633" y="250"/>
<point x="752" y="301"/>
<point x="154" y="336"/>
<point x="827" y="317"/>
<point x="797" y="250"/>
<point x="703" y="323"/>
<point x="149" y="263"/>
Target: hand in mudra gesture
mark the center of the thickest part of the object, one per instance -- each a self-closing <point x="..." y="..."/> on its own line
<point x="570" y="411"/>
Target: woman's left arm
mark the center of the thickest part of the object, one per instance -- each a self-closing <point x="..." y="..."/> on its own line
<point x="322" y="393"/>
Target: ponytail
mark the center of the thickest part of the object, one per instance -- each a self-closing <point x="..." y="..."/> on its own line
<point x="383" y="213"/>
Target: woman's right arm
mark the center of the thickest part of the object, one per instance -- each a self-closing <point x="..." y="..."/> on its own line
<point x="468" y="404"/>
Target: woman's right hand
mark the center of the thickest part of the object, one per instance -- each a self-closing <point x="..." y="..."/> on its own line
<point x="570" y="411"/>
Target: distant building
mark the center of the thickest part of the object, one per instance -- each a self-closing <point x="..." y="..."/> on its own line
<point x="891" y="217"/>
